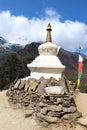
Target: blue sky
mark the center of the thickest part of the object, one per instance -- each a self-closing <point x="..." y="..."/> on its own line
<point x="25" y="21"/>
<point x="69" y="9"/>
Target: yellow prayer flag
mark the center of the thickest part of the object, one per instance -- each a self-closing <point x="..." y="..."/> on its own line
<point x="78" y="83"/>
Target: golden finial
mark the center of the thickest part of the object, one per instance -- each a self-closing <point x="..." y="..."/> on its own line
<point x="48" y="37"/>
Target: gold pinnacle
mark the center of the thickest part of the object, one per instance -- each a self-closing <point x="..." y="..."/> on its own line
<point x="48" y="37"/>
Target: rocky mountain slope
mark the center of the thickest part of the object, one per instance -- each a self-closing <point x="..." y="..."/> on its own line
<point x="7" y="49"/>
<point x="7" y="46"/>
<point x="14" y="64"/>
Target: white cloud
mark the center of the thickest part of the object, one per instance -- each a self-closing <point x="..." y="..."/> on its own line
<point x="52" y="14"/>
<point x="20" y="29"/>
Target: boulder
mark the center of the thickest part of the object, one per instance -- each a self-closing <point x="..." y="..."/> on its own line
<point x="54" y="90"/>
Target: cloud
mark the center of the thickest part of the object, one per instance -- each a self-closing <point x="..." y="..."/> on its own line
<point x="52" y="14"/>
<point x="20" y="29"/>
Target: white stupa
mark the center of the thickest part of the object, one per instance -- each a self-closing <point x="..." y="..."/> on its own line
<point x="47" y="64"/>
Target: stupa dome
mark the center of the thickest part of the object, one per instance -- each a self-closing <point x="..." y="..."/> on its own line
<point x="48" y="49"/>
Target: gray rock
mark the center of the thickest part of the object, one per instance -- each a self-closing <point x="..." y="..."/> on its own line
<point x="70" y="116"/>
<point x="54" y="108"/>
<point x="71" y="109"/>
<point x="52" y="82"/>
<point x="66" y="116"/>
<point x="8" y="93"/>
<point x="62" y="83"/>
<point x="41" y="87"/>
<point x="65" y="109"/>
<point x="83" y="121"/>
<point x="66" y="103"/>
<point x="27" y="85"/>
<point x="59" y="100"/>
<point x="22" y="84"/>
<point x="51" y="99"/>
<point x="77" y="115"/>
<point x="44" y="124"/>
<point x="41" y="104"/>
<point x="33" y="83"/>
<point x="51" y="119"/>
<point x="17" y="83"/>
<point x="28" y="113"/>
<point x="44" y="111"/>
<point x="37" y="109"/>
<point x="47" y="118"/>
<point x="41" y="80"/>
<point x="54" y="114"/>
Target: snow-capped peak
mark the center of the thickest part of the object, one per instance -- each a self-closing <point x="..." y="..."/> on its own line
<point x="5" y="44"/>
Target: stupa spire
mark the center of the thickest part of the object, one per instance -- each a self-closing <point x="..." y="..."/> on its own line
<point x="48" y="37"/>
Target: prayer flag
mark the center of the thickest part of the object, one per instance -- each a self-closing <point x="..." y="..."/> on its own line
<point x="80" y="64"/>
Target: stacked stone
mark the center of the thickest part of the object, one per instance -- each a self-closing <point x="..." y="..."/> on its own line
<point x="19" y="92"/>
<point x="48" y="108"/>
<point x="51" y="108"/>
<point x="18" y="97"/>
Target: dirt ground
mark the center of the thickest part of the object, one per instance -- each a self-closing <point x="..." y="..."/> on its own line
<point x="81" y="101"/>
<point x="12" y="118"/>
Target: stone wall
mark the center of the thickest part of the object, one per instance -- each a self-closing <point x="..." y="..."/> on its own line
<point x="48" y="108"/>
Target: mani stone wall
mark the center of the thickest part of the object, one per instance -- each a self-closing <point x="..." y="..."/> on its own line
<point x="48" y="108"/>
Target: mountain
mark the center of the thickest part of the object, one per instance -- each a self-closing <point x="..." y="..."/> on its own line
<point x="5" y="45"/>
<point x="13" y="64"/>
<point x="7" y="49"/>
<point x="16" y="65"/>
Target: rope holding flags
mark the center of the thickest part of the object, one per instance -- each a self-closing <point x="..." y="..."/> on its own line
<point x="80" y="66"/>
